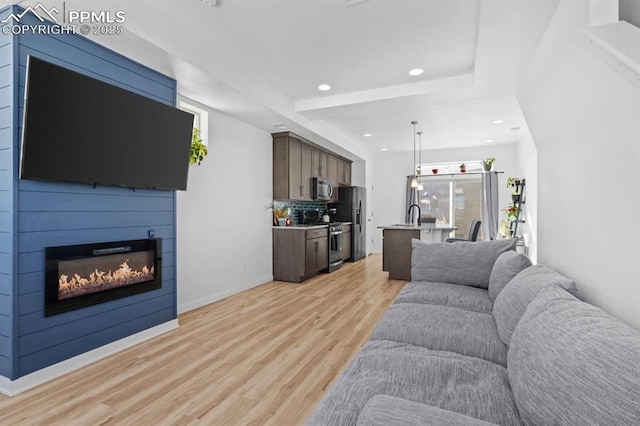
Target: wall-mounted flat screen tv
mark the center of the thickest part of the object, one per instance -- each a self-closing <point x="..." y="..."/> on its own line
<point x="79" y="129"/>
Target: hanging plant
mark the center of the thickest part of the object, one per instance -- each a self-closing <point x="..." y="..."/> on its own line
<point x="198" y="149"/>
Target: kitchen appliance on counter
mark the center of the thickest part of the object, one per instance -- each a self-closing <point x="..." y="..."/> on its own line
<point x="311" y="217"/>
<point x="351" y="208"/>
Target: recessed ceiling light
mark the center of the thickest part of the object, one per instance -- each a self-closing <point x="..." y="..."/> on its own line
<point x="489" y="140"/>
<point x="416" y="71"/>
<point x="498" y="122"/>
<point x="384" y="149"/>
<point x="324" y="87"/>
<point x="367" y="135"/>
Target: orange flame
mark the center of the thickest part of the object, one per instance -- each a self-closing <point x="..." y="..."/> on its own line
<point x="99" y="280"/>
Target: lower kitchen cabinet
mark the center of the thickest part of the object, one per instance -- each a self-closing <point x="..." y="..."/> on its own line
<point x="298" y="253"/>
<point x="316" y="255"/>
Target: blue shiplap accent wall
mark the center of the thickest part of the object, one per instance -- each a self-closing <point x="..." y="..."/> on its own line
<point x="54" y="214"/>
<point x="7" y="193"/>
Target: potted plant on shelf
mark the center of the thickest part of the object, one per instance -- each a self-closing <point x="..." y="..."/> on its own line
<point x="511" y="212"/>
<point x="514" y="182"/>
<point x="198" y="149"/>
<point x="463" y="168"/>
<point x="487" y="164"/>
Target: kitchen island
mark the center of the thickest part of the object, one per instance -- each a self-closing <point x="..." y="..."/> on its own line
<point x="396" y="245"/>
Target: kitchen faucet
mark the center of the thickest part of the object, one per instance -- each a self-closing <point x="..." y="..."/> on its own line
<point x="409" y="212"/>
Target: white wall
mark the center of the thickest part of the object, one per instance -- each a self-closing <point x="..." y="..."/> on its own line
<point x="528" y="163"/>
<point x="584" y="118"/>
<point x="224" y="232"/>
<point x="392" y="169"/>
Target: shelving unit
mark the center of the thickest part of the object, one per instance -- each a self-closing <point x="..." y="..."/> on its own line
<point x="513" y="226"/>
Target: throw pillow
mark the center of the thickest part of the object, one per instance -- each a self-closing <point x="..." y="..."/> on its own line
<point x="513" y="300"/>
<point x="507" y="266"/>
<point x="463" y="263"/>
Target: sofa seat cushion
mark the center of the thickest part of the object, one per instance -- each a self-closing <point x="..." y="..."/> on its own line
<point x="384" y="410"/>
<point x="513" y="300"/>
<point x="507" y="266"/>
<point x="444" y="329"/>
<point x="571" y="363"/>
<point x="456" y="296"/>
<point x="453" y="382"/>
<point x="462" y="263"/>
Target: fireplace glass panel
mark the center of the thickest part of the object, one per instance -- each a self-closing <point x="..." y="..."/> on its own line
<point x="91" y="275"/>
<point x="78" y="276"/>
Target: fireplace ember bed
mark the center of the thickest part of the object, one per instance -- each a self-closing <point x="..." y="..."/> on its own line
<point x="83" y="275"/>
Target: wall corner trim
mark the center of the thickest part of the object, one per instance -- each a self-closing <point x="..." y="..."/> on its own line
<point x="24" y="383"/>
<point x="617" y="45"/>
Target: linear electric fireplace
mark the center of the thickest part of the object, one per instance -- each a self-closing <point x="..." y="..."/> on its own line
<point x="88" y="274"/>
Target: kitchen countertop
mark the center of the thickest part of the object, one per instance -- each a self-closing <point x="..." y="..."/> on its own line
<point x="324" y="225"/>
<point x="423" y="227"/>
<point x="302" y="227"/>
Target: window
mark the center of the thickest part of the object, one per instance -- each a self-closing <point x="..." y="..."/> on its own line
<point x="451" y="197"/>
<point x="200" y="119"/>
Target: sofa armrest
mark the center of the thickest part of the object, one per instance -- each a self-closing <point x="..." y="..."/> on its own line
<point x="384" y="410"/>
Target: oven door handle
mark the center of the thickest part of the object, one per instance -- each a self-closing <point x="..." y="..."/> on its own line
<point x="335" y="233"/>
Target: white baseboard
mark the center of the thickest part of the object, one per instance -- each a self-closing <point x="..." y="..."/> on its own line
<point x="189" y="306"/>
<point x="14" y="387"/>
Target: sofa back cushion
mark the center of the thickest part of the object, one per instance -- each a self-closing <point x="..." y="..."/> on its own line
<point x="513" y="300"/>
<point x="571" y="363"/>
<point x="463" y="263"/>
<point x="507" y="266"/>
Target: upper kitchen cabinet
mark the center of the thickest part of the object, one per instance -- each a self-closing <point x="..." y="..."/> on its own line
<point x="320" y="158"/>
<point x="292" y="162"/>
<point x="344" y="173"/>
<point x="296" y="161"/>
<point x="332" y="174"/>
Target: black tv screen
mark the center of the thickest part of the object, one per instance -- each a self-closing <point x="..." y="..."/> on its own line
<point x="79" y="129"/>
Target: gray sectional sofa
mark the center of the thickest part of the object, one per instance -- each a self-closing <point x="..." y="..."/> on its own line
<point x="480" y="336"/>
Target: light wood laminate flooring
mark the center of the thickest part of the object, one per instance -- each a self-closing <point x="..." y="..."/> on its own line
<point x="265" y="356"/>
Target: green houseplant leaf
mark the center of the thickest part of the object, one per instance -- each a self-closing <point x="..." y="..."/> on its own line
<point x="198" y="149"/>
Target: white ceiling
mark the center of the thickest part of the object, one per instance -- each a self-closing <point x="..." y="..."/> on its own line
<point x="263" y="60"/>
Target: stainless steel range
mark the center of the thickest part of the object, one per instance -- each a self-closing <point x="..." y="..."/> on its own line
<point x="311" y="218"/>
<point x="335" y="246"/>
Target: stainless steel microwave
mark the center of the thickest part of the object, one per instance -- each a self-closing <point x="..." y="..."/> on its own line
<point x="322" y="188"/>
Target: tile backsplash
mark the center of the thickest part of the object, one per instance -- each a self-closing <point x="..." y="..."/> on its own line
<point x="297" y="207"/>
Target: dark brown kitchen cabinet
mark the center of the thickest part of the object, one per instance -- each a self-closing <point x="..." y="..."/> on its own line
<point x="292" y="161"/>
<point x="299" y="254"/>
<point x="296" y="161"/>
<point x="319" y="165"/>
<point x="316" y="254"/>
<point x="346" y="242"/>
<point x="332" y="174"/>
<point x="344" y="173"/>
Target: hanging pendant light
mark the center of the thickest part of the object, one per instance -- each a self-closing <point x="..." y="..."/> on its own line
<point x="419" y="168"/>
<point x="414" y="180"/>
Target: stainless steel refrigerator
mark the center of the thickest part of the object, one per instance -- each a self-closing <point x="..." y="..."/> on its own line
<point x="351" y="208"/>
